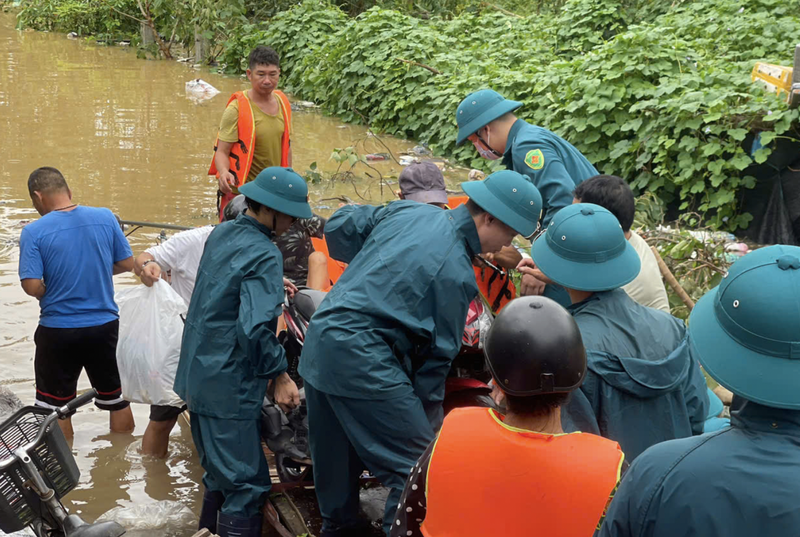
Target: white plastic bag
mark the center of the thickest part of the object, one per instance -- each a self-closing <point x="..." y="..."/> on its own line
<point x="149" y="346"/>
<point x="163" y="519"/>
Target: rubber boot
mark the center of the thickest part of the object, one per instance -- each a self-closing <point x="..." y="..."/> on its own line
<point x="212" y="503"/>
<point x="236" y="526"/>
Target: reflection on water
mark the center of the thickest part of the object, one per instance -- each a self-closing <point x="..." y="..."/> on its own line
<point x="126" y="137"/>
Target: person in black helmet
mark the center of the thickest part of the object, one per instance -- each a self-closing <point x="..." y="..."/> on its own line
<point x="520" y="462"/>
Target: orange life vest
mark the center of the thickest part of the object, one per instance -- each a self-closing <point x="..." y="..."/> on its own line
<point x="241" y="156"/>
<point x="496" y="288"/>
<point x="335" y="268"/>
<point x="486" y="478"/>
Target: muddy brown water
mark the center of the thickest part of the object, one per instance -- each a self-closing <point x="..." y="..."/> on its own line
<point x="126" y="137"/>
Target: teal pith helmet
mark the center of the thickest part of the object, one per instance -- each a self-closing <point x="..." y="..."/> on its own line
<point x="510" y="198"/>
<point x="584" y="248"/>
<point x="280" y="189"/>
<point x="746" y="331"/>
<point x="479" y="109"/>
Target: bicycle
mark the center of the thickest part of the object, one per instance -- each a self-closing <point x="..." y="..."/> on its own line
<point x="37" y="469"/>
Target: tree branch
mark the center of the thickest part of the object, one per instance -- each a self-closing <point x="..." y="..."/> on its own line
<point x="126" y="15"/>
<point x="501" y="10"/>
<point x="428" y="67"/>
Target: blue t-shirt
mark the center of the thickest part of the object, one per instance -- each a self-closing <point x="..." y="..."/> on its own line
<point x="74" y="252"/>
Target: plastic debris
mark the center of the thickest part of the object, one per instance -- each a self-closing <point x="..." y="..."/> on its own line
<point x="421" y="150"/>
<point x="165" y="519"/>
<point x="303" y="105"/>
<point x="198" y="90"/>
<point x="476" y="175"/>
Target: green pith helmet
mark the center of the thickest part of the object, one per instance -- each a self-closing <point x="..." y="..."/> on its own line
<point x="479" y="109"/>
<point x="280" y="189"/>
<point x="584" y="248"/>
<point x="746" y="331"/>
<point x="510" y="198"/>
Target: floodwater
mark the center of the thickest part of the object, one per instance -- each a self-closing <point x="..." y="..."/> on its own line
<point x="126" y="137"/>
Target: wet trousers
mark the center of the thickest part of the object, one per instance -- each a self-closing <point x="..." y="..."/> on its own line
<point x="231" y="454"/>
<point x="347" y="435"/>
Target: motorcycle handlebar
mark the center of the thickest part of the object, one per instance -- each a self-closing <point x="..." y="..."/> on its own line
<point x="83" y="399"/>
<point x="64" y="411"/>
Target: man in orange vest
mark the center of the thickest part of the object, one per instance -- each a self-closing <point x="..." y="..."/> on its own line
<point x="545" y="482"/>
<point x="255" y="131"/>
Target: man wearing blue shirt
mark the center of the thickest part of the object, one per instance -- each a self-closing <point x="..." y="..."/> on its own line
<point x="67" y="260"/>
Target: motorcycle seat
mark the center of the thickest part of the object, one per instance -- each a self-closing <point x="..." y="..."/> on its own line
<point x="306" y="301"/>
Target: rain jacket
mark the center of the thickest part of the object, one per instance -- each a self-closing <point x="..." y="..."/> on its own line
<point x="229" y="348"/>
<point x="551" y="163"/>
<point x="642" y="386"/>
<point x="739" y="482"/>
<point x="393" y="322"/>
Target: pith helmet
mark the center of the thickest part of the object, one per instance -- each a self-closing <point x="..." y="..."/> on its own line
<point x="281" y="189"/>
<point x="746" y="331"/>
<point x="479" y="109"/>
<point x="509" y="197"/>
<point x="584" y="248"/>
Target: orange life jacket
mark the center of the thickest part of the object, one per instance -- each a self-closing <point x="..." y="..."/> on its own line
<point x="496" y="288"/>
<point x="486" y="478"/>
<point x="241" y="156"/>
<point x="335" y="268"/>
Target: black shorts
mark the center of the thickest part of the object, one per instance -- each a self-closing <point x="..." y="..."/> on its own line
<point x="165" y="412"/>
<point x="61" y="354"/>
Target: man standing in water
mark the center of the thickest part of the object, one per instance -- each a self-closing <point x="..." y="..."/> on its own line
<point x="255" y="129"/>
<point x="67" y="260"/>
<point x="380" y="346"/>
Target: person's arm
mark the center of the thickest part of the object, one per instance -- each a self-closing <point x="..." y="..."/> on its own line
<point x="348" y="229"/>
<point x="444" y="330"/>
<point x="31" y="266"/>
<point x="413" y="503"/>
<point x="33" y="287"/>
<point x="549" y="176"/>
<point x="228" y="135"/>
<point x="261" y="295"/>
<point x="124" y="265"/>
<point x="150" y="273"/>
<point x="123" y="255"/>
<point x="634" y="510"/>
<point x="222" y="161"/>
<point x="695" y="391"/>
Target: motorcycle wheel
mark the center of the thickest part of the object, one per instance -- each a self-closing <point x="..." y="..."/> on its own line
<point x="468" y="398"/>
<point x="291" y="471"/>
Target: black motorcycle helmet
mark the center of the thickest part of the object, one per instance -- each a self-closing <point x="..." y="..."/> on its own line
<point x="234" y="208"/>
<point x="534" y="347"/>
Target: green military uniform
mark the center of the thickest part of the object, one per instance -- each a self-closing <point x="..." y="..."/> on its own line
<point x="551" y="163"/>
<point x="745" y="479"/>
<point x="380" y="346"/>
<point x="642" y="386"/>
<point x="230" y="351"/>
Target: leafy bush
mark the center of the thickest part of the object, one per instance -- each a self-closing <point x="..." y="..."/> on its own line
<point x="666" y="104"/>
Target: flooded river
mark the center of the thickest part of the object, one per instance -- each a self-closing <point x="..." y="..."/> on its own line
<point x="126" y="137"/>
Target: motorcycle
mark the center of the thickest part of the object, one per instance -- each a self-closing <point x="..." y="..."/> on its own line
<point x="286" y="434"/>
<point x="37" y="469"/>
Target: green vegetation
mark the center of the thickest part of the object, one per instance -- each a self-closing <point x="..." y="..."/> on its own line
<point x="655" y="91"/>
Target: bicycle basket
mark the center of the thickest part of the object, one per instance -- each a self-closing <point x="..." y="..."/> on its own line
<point x="51" y="456"/>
